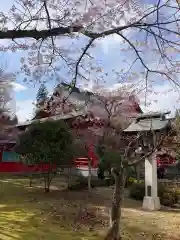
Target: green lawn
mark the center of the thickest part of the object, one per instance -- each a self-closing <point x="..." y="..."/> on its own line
<point x="30" y="214"/>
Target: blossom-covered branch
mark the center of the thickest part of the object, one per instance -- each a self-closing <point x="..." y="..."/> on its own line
<point x="59" y="31"/>
<point x="154" y="28"/>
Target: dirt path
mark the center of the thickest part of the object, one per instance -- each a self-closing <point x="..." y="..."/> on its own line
<point x="138" y="224"/>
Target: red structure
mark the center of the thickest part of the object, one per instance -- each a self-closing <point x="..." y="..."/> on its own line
<point x="17" y="167"/>
<point x="83" y="162"/>
<point x="9" y="161"/>
<point x="164" y="160"/>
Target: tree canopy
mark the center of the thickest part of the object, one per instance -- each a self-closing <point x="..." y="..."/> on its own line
<point x="42" y="94"/>
<point x="47" y="142"/>
<point x="52" y="30"/>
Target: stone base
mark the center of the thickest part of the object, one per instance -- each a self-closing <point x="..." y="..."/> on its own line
<point x="151" y="203"/>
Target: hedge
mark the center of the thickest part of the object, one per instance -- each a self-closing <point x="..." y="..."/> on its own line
<point x="168" y="196"/>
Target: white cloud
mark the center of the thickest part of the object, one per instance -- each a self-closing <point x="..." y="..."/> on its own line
<point x="109" y="43"/>
<point x="164" y="99"/>
<point x="24" y="110"/>
<point x="18" y="87"/>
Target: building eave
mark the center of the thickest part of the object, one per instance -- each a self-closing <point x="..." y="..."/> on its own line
<point x="52" y="118"/>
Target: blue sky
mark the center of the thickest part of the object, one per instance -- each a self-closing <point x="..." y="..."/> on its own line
<point x="108" y="54"/>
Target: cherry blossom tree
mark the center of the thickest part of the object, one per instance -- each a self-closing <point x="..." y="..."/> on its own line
<point x="68" y="31"/>
<point x="117" y="109"/>
<point x="121" y="151"/>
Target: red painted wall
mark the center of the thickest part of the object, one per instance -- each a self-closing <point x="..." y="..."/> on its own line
<point x="15" y="167"/>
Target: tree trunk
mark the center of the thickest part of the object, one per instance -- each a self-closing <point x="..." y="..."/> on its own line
<point x="89" y="175"/>
<point x="30" y="181"/>
<point x="138" y="173"/>
<point x="47" y="182"/>
<point x="69" y="180"/>
<point x="115" y="217"/>
<point x="47" y="190"/>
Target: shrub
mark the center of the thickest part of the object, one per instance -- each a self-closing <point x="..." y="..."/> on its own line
<point x="178" y="194"/>
<point x="132" y="180"/>
<point x="82" y="183"/>
<point x="79" y="184"/>
<point x="168" y="196"/>
<point x="137" y="191"/>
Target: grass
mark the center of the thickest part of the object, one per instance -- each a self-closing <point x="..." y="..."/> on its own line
<point x="30" y="214"/>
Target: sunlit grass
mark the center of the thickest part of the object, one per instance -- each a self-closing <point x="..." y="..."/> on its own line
<point x="27" y="214"/>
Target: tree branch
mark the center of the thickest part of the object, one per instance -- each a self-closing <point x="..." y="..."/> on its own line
<point x="37" y="34"/>
<point x="59" y="31"/>
<point x="148" y="70"/>
<point x="160" y="142"/>
<point x="77" y="67"/>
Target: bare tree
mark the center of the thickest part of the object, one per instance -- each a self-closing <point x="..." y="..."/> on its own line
<point x="154" y="34"/>
<point x="85" y="128"/>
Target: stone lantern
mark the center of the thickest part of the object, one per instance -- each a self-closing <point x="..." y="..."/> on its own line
<point x="152" y="127"/>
